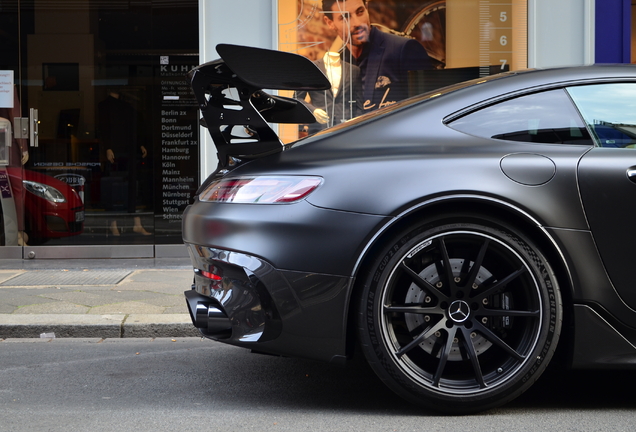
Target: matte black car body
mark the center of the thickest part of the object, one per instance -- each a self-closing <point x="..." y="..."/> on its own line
<point x="292" y="277"/>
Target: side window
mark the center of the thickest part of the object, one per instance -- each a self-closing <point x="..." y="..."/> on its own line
<point x="609" y="111"/>
<point x="546" y="117"/>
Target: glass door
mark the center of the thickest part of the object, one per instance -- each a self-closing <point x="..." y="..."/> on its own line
<point x="92" y="142"/>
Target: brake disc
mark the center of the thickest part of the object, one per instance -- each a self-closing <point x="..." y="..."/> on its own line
<point x="418" y="322"/>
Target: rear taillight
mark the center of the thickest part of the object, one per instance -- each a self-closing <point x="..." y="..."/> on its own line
<point x="261" y="190"/>
<point x="214" y="277"/>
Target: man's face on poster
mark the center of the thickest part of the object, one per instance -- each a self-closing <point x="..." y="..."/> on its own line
<point x="350" y="19"/>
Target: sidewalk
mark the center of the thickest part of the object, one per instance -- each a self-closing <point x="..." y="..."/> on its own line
<point x="113" y="298"/>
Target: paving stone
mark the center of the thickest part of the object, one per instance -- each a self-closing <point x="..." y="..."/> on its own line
<point x="166" y="301"/>
<point x="167" y="282"/>
<point x="52" y="308"/>
<point x="67" y="277"/>
<point x="181" y="309"/>
<point x="8" y="274"/>
<point x="7" y="309"/>
<point x="20" y="296"/>
<point x="127" y="308"/>
<point x="121" y="296"/>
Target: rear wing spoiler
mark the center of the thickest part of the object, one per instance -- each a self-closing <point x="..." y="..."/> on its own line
<point x="234" y="106"/>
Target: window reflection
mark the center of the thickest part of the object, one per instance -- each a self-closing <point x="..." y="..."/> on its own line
<point x="547" y="117"/>
<point x="609" y="111"/>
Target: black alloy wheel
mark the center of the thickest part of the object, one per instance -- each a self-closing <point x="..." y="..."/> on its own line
<point x="460" y="317"/>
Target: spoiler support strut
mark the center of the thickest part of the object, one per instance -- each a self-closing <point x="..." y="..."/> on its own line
<point x="234" y="106"/>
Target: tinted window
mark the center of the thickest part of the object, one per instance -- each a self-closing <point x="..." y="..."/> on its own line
<point x="547" y="117"/>
<point x="609" y="111"/>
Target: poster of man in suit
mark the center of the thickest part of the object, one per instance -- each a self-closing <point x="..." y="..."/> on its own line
<point x="384" y="58"/>
<point x="342" y="102"/>
<point x="374" y="53"/>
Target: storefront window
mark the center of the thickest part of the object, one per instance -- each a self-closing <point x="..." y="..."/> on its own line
<point x="104" y="83"/>
<point x="377" y="52"/>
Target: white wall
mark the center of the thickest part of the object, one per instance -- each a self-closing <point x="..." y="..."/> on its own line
<point x="560" y="33"/>
<point x="239" y="22"/>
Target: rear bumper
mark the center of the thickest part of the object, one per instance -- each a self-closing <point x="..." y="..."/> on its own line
<point x="257" y="306"/>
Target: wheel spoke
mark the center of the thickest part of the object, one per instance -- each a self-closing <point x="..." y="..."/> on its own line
<point x="504" y="312"/>
<point x="474" y="271"/>
<point x="421" y="338"/>
<point x="414" y="309"/>
<point x="500" y="284"/>
<point x="448" y="270"/>
<point x="422" y="283"/>
<point x="443" y="356"/>
<point x="472" y="354"/>
<point x="465" y="269"/>
<point x="492" y="337"/>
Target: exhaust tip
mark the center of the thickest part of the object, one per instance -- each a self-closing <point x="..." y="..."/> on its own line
<point x="207" y="316"/>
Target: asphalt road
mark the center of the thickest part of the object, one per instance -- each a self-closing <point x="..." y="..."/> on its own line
<point x="193" y="384"/>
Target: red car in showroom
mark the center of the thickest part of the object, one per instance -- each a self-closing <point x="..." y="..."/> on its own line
<point x="52" y="208"/>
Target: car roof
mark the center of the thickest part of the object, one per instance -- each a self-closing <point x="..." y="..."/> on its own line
<point x="594" y="72"/>
<point x="532" y="79"/>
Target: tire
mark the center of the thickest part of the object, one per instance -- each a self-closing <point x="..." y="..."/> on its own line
<point x="459" y="317"/>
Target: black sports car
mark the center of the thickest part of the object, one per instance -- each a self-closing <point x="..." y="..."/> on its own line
<point x="458" y="237"/>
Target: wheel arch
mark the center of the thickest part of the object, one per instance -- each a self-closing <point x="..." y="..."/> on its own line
<point x="493" y="212"/>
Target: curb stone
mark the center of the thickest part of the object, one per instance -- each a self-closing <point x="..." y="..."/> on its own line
<point x="97" y="326"/>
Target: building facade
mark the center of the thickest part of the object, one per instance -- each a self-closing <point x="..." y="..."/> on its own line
<point x="100" y="144"/>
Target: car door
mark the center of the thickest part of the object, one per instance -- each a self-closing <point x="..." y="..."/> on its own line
<point x="607" y="177"/>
